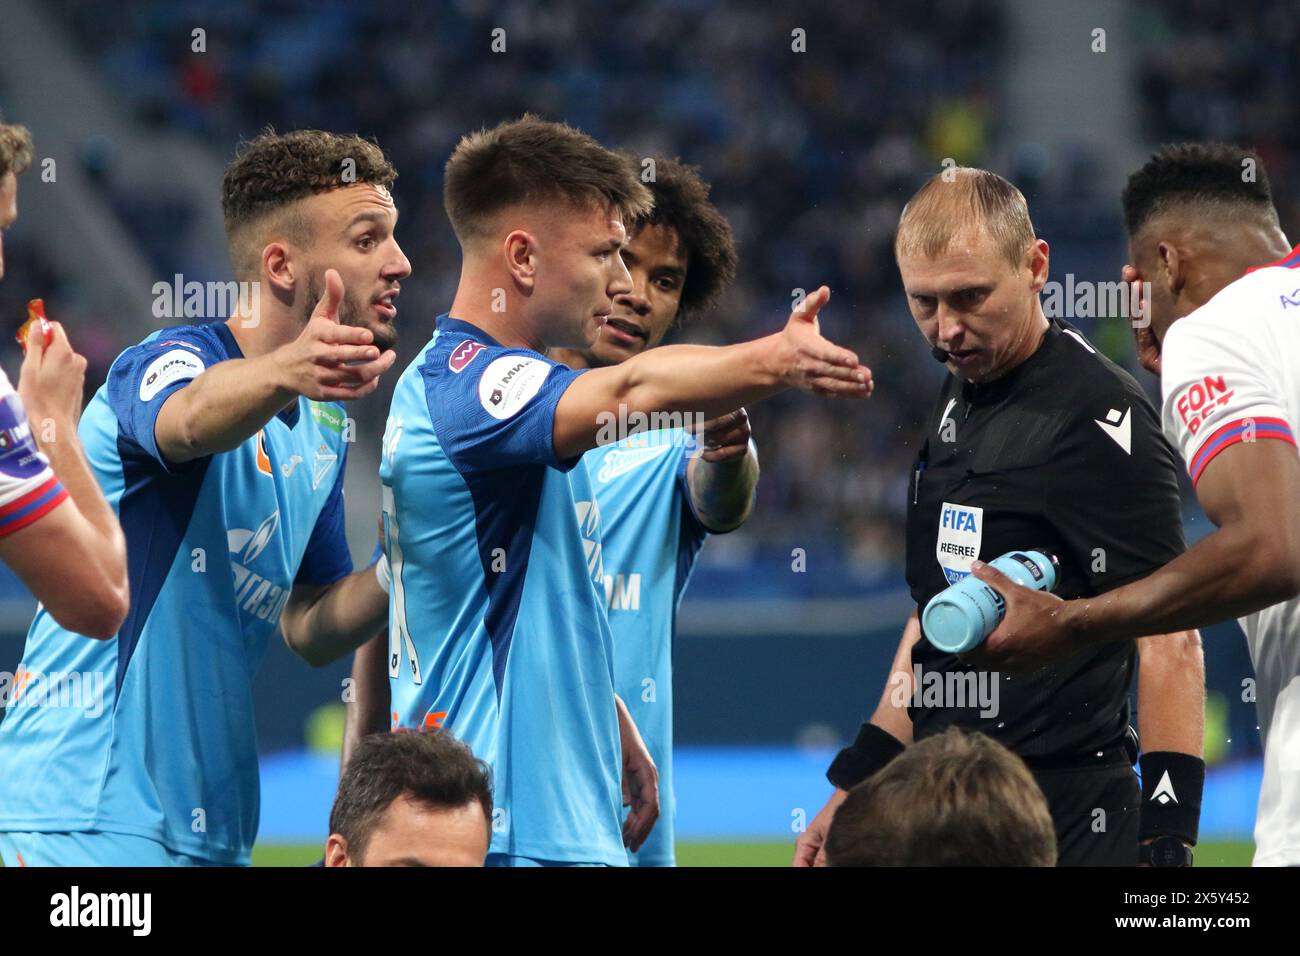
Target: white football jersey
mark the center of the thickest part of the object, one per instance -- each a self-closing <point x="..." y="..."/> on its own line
<point x="1231" y="373"/>
<point x="28" y="489"/>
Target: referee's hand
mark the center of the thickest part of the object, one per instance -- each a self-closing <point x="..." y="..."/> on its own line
<point x="1032" y="632"/>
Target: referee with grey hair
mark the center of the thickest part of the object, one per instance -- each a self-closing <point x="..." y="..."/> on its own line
<point x="1037" y="441"/>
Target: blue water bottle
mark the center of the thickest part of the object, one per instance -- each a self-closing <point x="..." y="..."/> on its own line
<point x="958" y="618"/>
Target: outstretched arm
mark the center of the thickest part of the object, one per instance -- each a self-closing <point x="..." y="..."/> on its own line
<point x="711" y="381"/>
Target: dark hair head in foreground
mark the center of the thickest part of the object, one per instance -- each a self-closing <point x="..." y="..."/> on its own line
<point x="955" y="799"/>
<point x="1211" y="179"/>
<point x="411" y="799"/>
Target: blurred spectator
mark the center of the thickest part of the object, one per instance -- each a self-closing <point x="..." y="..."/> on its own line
<point x="411" y="799"/>
<point x="955" y="799"/>
<point x="812" y="127"/>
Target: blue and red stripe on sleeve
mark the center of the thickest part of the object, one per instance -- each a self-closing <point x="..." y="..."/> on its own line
<point x="1242" y="429"/>
<point x="32" y="506"/>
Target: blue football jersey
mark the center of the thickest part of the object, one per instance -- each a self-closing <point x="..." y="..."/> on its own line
<point x="497" y="629"/>
<point x="151" y="733"/>
<point x="651" y="538"/>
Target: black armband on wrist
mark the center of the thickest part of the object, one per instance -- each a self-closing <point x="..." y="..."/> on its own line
<point x="1171" y="795"/>
<point x="872" y="749"/>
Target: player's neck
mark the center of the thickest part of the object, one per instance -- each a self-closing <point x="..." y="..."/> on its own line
<point x="263" y="333"/>
<point x="1222" y="257"/>
<point x="480" y="301"/>
<point x="1257" y="248"/>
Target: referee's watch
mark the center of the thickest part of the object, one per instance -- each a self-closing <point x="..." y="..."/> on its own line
<point x="1165" y="851"/>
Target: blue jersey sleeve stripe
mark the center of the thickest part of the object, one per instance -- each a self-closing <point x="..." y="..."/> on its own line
<point x="154" y="512"/>
<point x="506" y="503"/>
<point x="137" y="416"/>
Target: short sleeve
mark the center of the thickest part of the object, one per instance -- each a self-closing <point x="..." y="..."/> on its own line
<point x="146" y="375"/>
<point x="1114" y="495"/>
<point x="28" y="488"/>
<point x="1219" y="389"/>
<point x="694" y="531"/>
<point x="499" y="410"/>
<point x="327" y="558"/>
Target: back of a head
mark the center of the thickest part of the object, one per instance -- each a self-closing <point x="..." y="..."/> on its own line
<point x="533" y="161"/>
<point x="1211" y="182"/>
<point x="263" y="185"/>
<point x="959" y="203"/>
<point x="431" y="768"/>
<point x="954" y="799"/>
<point x="15" y="149"/>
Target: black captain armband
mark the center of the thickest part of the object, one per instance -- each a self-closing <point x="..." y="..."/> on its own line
<point x="872" y="749"/>
<point x="1171" y="795"/>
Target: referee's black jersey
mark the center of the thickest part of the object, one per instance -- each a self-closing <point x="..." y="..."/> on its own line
<point x="1066" y="454"/>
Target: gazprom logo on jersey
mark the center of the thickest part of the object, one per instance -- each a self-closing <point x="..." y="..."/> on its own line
<point x="254" y="593"/>
<point x="589" y="525"/>
<point x="961" y="528"/>
<point x="623" y="592"/>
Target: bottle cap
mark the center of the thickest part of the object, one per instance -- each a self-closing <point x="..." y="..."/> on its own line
<point x="949" y="626"/>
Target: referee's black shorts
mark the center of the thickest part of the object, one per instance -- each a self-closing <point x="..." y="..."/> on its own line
<point x="1095" y="810"/>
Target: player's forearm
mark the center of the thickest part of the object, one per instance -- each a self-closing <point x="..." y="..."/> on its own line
<point x="323" y="624"/>
<point x="105" y="545"/>
<point x="367" y="711"/>
<point x="222" y="408"/>
<point x="1171" y="693"/>
<point x="709" y="380"/>
<point x="891" y="714"/>
<point x="1226" y="575"/>
<point x="723" y="491"/>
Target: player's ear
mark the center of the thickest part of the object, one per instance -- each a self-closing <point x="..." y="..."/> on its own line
<point x="336" y="851"/>
<point x="1172" y="267"/>
<point x="279" y="269"/>
<point x="1039" y="258"/>
<point x="520" y="250"/>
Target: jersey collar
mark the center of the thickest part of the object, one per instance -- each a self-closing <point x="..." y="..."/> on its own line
<point x="287" y="415"/>
<point x="998" y="389"/>
<point x="445" y="323"/>
<point x="1289" y="261"/>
